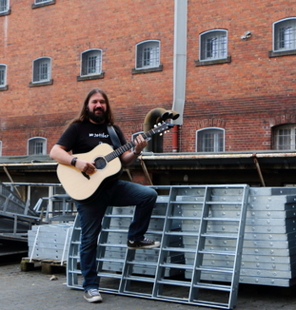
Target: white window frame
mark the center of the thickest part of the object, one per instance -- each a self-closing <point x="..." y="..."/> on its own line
<point x="148" y="54"/>
<point x="213" y="45"/>
<point x="284" y="137"/>
<point x="41" y="1"/>
<point x="216" y="143"/>
<point x="135" y="134"/>
<point x="284" y="35"/>
<point x="88" y="58"/>
<point x="4" y="67"/>
<point x="4" y="6"/>
<point x="0" y="148"/>
<point x="41" y="70"/>
<point x="33" y="147"/>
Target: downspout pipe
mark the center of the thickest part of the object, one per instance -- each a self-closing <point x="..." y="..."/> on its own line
<point x="175" y="132"/>
<point x="180" y="57"/>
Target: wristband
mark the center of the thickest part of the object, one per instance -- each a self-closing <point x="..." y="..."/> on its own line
<point x="137" y="154"/>
<point x="73" y="161"/>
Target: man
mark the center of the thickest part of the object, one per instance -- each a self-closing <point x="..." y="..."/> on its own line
<point x="83" y="134"/>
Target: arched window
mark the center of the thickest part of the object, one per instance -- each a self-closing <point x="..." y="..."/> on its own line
<point x="210" y="140"/>
<point x="42" y="1"/>
<point x="3" y="75"/>
<point x="91" y="62"/>
<point x="4" y="6"/>
<point x="41" y="70"/>
<point x="134" y="135"/>
<point x="284" y="34"/>
<point x="284" y="137"/>
<point x="37" y="146"/>
<point x="213" y="45"/>
<point x="148" y="54"/>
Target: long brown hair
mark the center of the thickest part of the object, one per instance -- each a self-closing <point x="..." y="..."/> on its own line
<point x="83" y="114"/>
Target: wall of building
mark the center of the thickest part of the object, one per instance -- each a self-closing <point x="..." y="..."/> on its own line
<point x="246" y="97"/>
<point x="252" y="93"/>
<point x="62" y="31"/>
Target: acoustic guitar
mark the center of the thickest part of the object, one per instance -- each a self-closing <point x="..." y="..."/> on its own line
<point x="83" y="187"/>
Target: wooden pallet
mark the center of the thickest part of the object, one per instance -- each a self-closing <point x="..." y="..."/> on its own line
<point x="48" y="266"/>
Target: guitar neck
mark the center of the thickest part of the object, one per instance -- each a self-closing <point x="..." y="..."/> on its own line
<point x="119" y="151"/>
<point x="128" y="146"/>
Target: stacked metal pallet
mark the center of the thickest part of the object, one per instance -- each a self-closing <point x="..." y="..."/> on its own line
<point x="201" y="245"/>
<point x="269" y="253"/>
<point x="269" y="242"/>
<point x="50" y="241"/>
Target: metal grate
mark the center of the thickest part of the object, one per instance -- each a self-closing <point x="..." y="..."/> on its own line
<point x="186" y="219"/>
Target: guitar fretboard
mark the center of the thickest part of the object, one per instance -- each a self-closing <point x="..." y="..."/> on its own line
<point x="116" y="153"/>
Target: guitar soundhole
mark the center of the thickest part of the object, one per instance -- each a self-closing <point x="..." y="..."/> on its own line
<point x="100" y="163"/>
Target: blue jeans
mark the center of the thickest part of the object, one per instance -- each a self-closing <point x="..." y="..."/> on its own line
<point x="116" y="193"/>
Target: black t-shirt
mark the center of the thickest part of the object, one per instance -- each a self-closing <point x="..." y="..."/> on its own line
<point x="82" y="137"/>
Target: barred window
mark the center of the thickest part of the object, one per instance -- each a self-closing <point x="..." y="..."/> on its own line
<point x="42" y="1"/>
<point x="37" y="146"/>
<point x="213" y="45"/>
<point x="41" y="70"/>
<point x="2" y="75"/>
<point x="134" y="135"/>
<point x="285" y="137"/>
<point x="210" y="140"/>
<point x="91" y="62"/>
<point x="285" y="35"/>
<point x="148" y="54"/>
<point x="4" y="6"/>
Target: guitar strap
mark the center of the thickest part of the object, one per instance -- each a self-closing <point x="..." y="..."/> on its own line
<point x="114" y="137"/>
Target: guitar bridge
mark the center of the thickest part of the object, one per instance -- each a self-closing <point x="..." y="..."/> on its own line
<point x="86" y="175"/>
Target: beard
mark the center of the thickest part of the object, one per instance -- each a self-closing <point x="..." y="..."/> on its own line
<point x="101" y="118"/>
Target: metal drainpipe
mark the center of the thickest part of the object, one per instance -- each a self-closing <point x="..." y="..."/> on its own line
<point x="180" y="56"/>
<point x="175" y="132"/>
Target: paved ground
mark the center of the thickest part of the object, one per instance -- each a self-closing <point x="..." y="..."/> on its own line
<point x="34" y="290"/>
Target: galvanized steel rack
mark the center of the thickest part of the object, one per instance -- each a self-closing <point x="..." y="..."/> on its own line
<point x="269" y="252"/>
<point x="50" y="241"/>
<point x="191" y="223"/>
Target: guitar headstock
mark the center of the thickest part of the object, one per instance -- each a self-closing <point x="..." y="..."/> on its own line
<point x="159" y="128"/>
<point x="162" y="127"/>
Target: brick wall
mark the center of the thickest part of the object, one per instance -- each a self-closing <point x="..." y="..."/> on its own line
<point x="245" y="97"/>
<point x="254" y="92"/>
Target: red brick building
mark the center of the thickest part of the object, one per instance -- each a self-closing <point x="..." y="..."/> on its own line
<point x="228" y="68"/>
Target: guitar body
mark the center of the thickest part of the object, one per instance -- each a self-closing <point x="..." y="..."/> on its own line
<point x="85" y="187"/>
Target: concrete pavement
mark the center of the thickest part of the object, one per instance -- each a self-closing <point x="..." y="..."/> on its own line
<point x="34" y="290"/>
